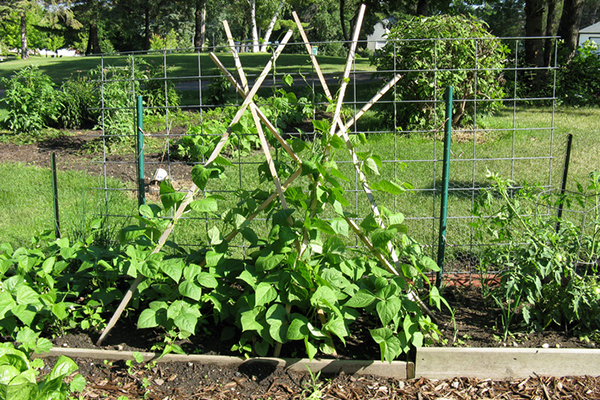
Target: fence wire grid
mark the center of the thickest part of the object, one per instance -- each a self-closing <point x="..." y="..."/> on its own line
<point x="510" y="142"/>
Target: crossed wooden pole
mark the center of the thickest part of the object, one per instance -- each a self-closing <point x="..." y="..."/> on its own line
<point x="338" y="128"/>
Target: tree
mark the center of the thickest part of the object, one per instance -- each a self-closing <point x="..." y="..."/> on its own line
<point x="471" y="64"/>
<point x="568" y="28"/>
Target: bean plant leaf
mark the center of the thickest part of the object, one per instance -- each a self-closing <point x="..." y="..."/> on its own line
<point x="389" y="344"/>
<point x="298" y="328"/>
<point x="311" y="350"/>
<point x="200" y="176"/>
<point x="388" y="187"/>
<point x="208" y="205"/>
<point x="362" y="298"/>
<point x="173" y="268"/>
<point x="187" y="319"/>
<point x="207" y="280"/>
<point x="269" y="261"/>
<point x="264" y="294"/>
<point x="340" y="226"/>
<point x="248" y="319"/>
<point x="191" y="290"/>
<point x="388" y="309"/>
<point x="382" y="237"/>
<point x="427" y="264"/>
<point x="147" y="319"/>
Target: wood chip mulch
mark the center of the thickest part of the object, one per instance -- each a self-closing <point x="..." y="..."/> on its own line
<point x="179" y="381"/>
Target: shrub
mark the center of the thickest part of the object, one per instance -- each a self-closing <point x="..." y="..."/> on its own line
<point x="579" y="82"/>
<point x="428" y="63"/>
<point x="31" y="101"/>
<point x="76" y="102"/>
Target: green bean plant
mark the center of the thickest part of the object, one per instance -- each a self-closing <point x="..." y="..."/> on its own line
<point x="300" y="281"/>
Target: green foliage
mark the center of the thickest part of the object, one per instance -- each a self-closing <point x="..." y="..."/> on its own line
<point x="300" y="281"/>
<point x="549" y="274"/>
<point x="169" y="41"/>
<point x="219" y="91"/>
<point x="56" y="285"/>
<point x="30" y="100"/>
<point x="432" y="53"/>
<point x="578" y="80"/>
<point x="76" y="102"/>
<point x="19" y="375"/>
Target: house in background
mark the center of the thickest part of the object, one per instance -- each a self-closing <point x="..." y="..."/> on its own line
<point x="591" y="32"/>
<point x="377" y="39"/>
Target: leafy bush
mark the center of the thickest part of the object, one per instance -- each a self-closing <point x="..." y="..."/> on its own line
<point x="470" y="62"/>
<point x="549" y="275"/>
<point x="76" y="102"/>
<point x="578" y="80"/>
<point x="158" y="92"/>
<point x="31" y="101"/>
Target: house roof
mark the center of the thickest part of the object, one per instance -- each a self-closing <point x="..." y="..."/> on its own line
<point x="591" y="29"/>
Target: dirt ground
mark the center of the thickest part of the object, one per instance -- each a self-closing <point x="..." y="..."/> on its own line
<point x="473" y="326"/>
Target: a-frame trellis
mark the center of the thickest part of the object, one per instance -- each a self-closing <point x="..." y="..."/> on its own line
<point x="337" y="128"/>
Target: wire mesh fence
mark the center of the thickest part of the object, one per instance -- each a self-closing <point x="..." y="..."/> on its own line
<point x="187" y="106"/>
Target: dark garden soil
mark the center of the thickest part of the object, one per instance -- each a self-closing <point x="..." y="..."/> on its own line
<point x="474" y="325"/>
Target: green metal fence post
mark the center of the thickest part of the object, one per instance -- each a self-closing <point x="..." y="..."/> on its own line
<point x="140" y="152"/>
<point x="55" y="196"/>
<point x="445" y="179"/>
<point x="563" y="186"/>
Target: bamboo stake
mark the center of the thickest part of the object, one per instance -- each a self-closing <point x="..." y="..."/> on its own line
<point x="193" y="189"/>
<point x="236" y="57"/>
<point x="344" y="133"/>
<point x="312" y="56"/>
<point x="262" y="116"/>
<point x="249" y="98"/>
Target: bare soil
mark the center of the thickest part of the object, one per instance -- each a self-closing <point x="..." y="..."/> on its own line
<point x="474" y="325"/>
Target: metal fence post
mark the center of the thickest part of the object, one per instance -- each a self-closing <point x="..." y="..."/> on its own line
<point x="55" y="196"/>
<point x="140" y="152"/>
<point x="445" y="179"/>
<point x="563" y="185"/>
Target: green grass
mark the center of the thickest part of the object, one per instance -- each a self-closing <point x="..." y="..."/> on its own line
<point x="26" y="202"/>
<point x="180" y="66"/>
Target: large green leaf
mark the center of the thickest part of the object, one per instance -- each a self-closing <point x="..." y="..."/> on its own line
<point x="187" y="319"/>
<point x="207" y="280"/>
<point x="389" y="344"/>
<point x="208" y="205"/>
<point x="64" y="367"/>
<point x="248" y="319"/>
<point x="388" y="309"/>
<point x="147" y="319"/>
<point x="264" y="294"/>
<point x="298" y="328"/>
<point x="191" y="290"/>
<point x="362" y="298"/>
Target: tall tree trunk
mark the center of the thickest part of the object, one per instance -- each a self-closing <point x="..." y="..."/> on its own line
<point x="534" y="24"/>
<point x="263" y="48"/>
<point x="550" y="31"/>
<point x="568" y="29"/>
<point x="423" y="7"/>
<point x="24" y="49"/>
<point x="147" y="32"/>
<point x="255" y="47"/>
<point x="200" y="28"/>
<point x="343" y="21"/>
<point x="93" y="45"/>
